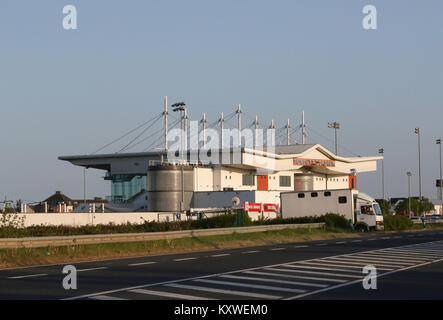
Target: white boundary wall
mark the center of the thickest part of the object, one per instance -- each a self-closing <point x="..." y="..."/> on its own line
<point x="83" y="219"/>
<point x="117" y="218"/>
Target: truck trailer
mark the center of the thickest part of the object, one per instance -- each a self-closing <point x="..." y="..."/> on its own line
<point x="360" y="209"/>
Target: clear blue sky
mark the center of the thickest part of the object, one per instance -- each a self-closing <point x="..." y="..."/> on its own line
<point x="69" y="92"/>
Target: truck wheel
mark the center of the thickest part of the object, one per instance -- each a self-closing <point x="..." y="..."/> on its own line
<point x="361" y="228"/>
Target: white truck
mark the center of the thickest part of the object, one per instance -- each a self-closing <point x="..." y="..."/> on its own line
<point x="358" y="207"/>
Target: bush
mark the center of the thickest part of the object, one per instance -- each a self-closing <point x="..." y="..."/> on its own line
<point x="298" y="220"/>
<point x="335" y="221"/>
<point x="13" y="229"/>
<point x="397" y="222"/>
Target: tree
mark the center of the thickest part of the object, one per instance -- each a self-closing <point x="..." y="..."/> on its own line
<point x="417" y="207"/>
<point x="385" y="206"/>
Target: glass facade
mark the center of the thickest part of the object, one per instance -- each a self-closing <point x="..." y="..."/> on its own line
<point x="123" y="187"/>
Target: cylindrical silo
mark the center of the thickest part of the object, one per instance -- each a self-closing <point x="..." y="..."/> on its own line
<point x="164" y="186"/>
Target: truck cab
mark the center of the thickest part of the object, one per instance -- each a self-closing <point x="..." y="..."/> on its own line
<point x="367" y="213"/>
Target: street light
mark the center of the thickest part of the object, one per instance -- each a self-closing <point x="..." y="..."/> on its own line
<point x="181" y="106"/>
<point x="335" y="126"/>
<point x="409" y="191"/>
<point x="382" y="152"/>
<point x="438" y="141"/>
<point x="417" y="132"/>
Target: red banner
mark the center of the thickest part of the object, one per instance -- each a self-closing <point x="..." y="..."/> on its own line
<point x="253" y="207"/>
<point x="270" y="207"/>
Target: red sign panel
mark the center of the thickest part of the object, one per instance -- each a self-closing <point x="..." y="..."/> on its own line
<point x="270" y="207"/>
<point x="253" y="207"/>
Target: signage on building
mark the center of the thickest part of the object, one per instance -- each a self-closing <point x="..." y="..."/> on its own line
<point x="252" y="207"/>
<point x="270" y="207"/>
<point x="313" y="162"/>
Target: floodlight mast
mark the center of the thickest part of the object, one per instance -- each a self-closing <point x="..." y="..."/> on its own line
<point x="382" y="152"/>
<point x="181" y="106"/>
<point x="335" y="126"/>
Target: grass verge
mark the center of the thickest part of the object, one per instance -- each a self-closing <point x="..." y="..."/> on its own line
<point x="53" y="255"/>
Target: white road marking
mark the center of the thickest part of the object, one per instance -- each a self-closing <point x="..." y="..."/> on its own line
<point x="223" y="291"/>
<point x="105" y="298"/>
<point x="249" y="285"/>
<point x="301" y="246"/>
<point x="356" y="241"/>
<point x="282" y="275"/>
<point x="314" y="272"/>
<point x="168" y="294"/>
<point x="372" y="239"/>
<point x="184" y="259"/>
<point x="391" y="257"/>
<point x="327" y="263"/>
<point x="340" y="242"/>
<point x="356" y="281"/>
<point x="307" y="284"/>
<point x="278" y="249"/>
<point x="221" y="255"/>
<point x="141" y="263"/>
<point x="252" y="251"/>
<point x="321" y="244"/>
<point x="425" y="250"/>
<point x="29" y="276"/>
<point x="413" y="253"/>
<point x="91" y="269"/>
<point x="306" y="266"/>
<point x="378" y="262"/>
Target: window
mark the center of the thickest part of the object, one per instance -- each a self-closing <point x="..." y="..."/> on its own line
<point x="314" y="194"/>
<point x="327" y="193"/>
<point x="342" y="199"/>
<point x="285" y="181"/>
<point x="248" y="180"/>
<point x="301" y="195"/>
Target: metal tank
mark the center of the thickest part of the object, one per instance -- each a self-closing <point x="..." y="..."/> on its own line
<point x="303" y="182"/>
<point x="164" y="186"/>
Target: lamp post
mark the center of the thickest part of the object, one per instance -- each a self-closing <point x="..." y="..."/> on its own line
<point x="409" y="174"/>
<point x="382" y="152"/>
<point x="335" y="126"/>
<point x="181" y="106"/>
<point x="438" y="141"/>
<point x="417" y="131"/>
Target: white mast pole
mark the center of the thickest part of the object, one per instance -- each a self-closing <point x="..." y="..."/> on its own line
<point x="256" y="129"/>
<point x="222" y="123"/>
<point x="203" y="121"/>
<point x="165" y="113"/>
<point x="239" y="125"/>
<point x="287" y="133"/>
<point x="303" y="127"/>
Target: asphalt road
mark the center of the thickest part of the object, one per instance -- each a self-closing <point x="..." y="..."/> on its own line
<point x="408" y="266"/>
